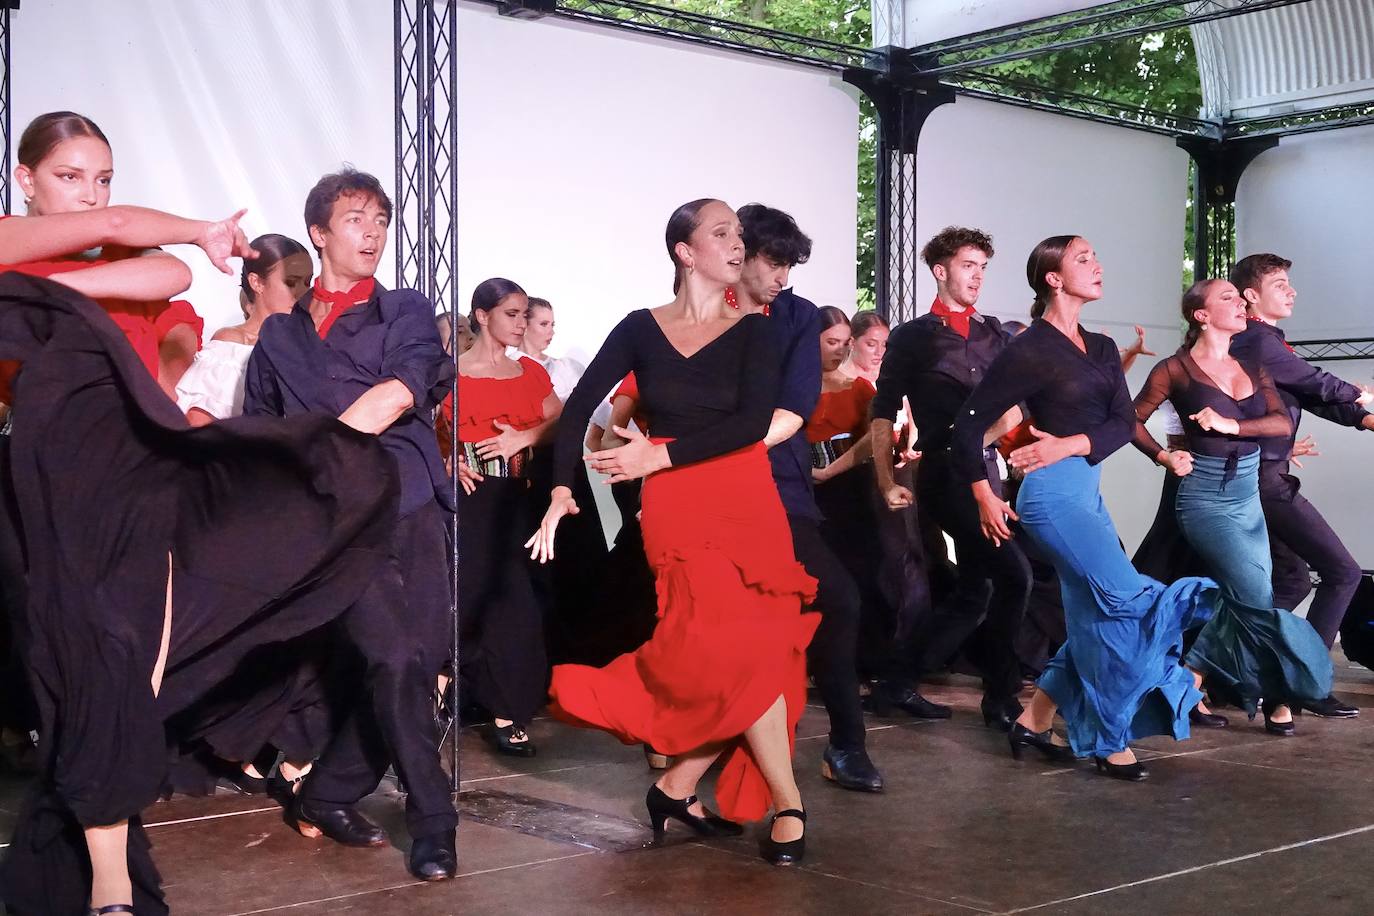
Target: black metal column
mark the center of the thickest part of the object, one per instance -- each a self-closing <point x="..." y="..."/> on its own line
<point x="426" y="208"/>
<point x="1219" y="165"/>
<point x="903" y="104"/>
<point x="5" y="108"/>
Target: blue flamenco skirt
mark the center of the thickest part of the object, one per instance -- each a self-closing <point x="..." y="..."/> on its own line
<point x="1249" y="649"/>
<point x="1118" y="676"/>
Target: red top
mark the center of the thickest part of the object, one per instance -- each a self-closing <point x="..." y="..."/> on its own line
<point x="517" y="402"/>
<point x="630" y="388"/>
<point x="145" y="324"/>
<point x="1018" y="437"/>
<point x="840" y="412"/>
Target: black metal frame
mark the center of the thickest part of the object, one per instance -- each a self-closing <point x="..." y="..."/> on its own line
<point x="1334" y="349"/>
<point x="426" y="214"/>
<point x="5" y="115"/>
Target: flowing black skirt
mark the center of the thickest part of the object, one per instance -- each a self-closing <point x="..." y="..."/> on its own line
<point x="273" y="528"/>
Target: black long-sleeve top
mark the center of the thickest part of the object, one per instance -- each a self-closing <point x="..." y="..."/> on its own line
<point x="936" y="369"/>
<point x="719" y="399"/>
<point x="1301" y="385"/>
<point x="1066" y="390"/>
<point x="1180" y="380"/>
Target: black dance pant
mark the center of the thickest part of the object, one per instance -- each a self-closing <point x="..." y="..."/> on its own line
<point x="502" y="659"/>
<point x="938" y="636"/>
<point x="401" y="627"/>
<point x="834" y="647"/>
<point x="1300" y="538"/>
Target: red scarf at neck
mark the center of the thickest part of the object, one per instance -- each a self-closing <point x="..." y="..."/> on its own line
<point x="341" y="302"/>
<point x="957" y="321"/>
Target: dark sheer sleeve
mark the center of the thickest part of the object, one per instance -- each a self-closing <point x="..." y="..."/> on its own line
<point x="1156" y="392"/>
<point x="1275" y="421"/>
<point x="1010" y="380"/>
<point x="1119" y="427"/>
<point x="608" y="368"/>
<point x="758" y="381"/>
<point x="896" y="376"/>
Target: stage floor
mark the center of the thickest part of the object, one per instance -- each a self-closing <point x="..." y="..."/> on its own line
<point x="1232" y="821"/>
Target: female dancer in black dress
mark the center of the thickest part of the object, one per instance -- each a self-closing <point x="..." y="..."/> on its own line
<point x="144" y="611"/>
<point x="724" y="671"/>
<point x="1118" y="676"/>
<point x="1249" y="649"/>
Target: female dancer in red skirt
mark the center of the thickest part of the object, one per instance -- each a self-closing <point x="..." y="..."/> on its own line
<point x="725" y="669"/>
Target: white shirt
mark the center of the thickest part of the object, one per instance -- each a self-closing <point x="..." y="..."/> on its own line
<point x="214" y="381"/>
<point x="564" y="372"/>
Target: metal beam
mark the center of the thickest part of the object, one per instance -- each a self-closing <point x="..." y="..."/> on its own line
<point x="1078" y="105"/>
<point x="1302" y="122"/>
<point x="1334" y="349"/>
<point x="5" y="108"/>
<point x="666" y="22"/>
<point x="1093" y="25"/>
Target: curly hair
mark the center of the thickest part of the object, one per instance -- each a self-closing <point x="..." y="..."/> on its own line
<point x="949" y="240"/>
<point x="1251" y="270"/>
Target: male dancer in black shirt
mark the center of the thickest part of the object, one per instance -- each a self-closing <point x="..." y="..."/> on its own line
<point x="1299" y="537"/>
<point x="934" y="361"/>
<point x="372" y="355"/>
<point x="773" y="245"/>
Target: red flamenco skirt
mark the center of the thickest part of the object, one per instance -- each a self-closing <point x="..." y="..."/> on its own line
<point x="731" y="636"/>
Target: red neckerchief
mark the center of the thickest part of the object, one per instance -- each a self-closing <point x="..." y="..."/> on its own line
<point x="732" y="300"/>
<point x="1281" y="337"/>
<point x="957" y="321"/>
<point x="341" y="302"/>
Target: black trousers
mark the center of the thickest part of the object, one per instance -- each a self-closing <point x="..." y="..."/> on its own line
<point x="835" y="645"/>
<point x="401" y="627"/>
<point x="1300" y="538"/>
<point x="992" y="581"/>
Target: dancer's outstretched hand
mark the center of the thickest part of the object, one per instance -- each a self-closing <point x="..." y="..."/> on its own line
<point x="1303" y="447"/>
<point x="541" y="543"/>
<point x="224" y="240"/>
<point x="637" y="458"/>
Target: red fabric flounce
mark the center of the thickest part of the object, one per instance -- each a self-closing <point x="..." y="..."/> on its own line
<point x="839" y="412"/>
<point x="517" y="402"/>
<point x="731" y="636"/>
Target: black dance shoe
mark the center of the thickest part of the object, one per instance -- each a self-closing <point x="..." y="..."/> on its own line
<point x="434" y="857"/>
<point x="1329" y="708"/>
<point x="789" y="853"/>
<point x="342" y="825"/>
<point x="661" y="807"/>
<point x="1131" y="772"/>
<point x="1282" y="729"/>
<point x="1207" y="719"/>
<point x="851" y="769"/>
<point x="513" y="740"/>
<point x="1021" y="738"/>
<point x="1001" y="712"/>
<point x="886" y="698"/>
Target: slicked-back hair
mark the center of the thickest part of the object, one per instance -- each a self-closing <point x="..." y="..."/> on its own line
<point x="831" y="316"/>
<point x="865" y="321"/>
<point x="488" y="295"/>
<point x="347" y="182"/>
<point x="947" y="242"/>
<point x="47" y="130"/>
<point x="773" y="234"/>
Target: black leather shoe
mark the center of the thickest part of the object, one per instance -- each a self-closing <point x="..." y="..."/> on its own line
<point x="662" y="807"/>
<point x="1329" y="708"/>
<point x="1021" y="738"/>
<point x="513" y="740"/>
<point x="1282" y="729"/>
<point x="1001" y="713"/>
<point x="342" y="825"/>
<point x="1207" y="719"/>
<point x="885" y="699"/>
<point x="1131" y="772"/>
<point x="789" y="853"/>
<point x="434" y="857"/>
<point x="851" y="769"/>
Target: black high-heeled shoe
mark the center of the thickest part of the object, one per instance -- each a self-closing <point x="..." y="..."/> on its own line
<point x="1207" y="719"/>
<point x="1131" y="772"/>
<point x="662" y="806"/>
<point x="788" y="853"/>
<point x="512" y="739"/>
<point x="1282" y="729"/>
<point x="1020" y="738"/>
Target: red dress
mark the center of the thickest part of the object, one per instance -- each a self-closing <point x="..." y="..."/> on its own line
<point x="841" y="413"/>
<point x="145" y="324"/>
<point x="731" y="635"/>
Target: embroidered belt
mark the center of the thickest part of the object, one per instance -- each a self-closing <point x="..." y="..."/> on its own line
<point x="516" y="465"/>
<point x="827" y="452"/>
